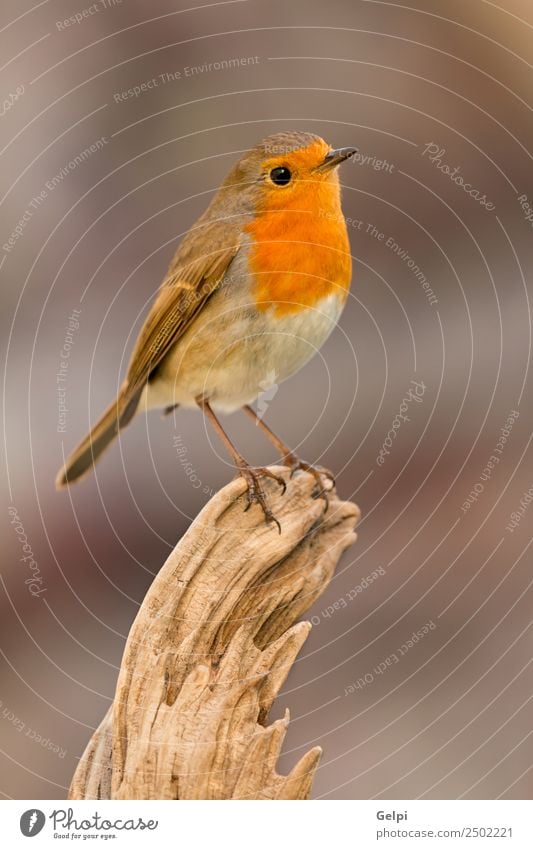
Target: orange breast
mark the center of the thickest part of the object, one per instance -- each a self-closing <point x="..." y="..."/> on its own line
<point x="299" y="256"/>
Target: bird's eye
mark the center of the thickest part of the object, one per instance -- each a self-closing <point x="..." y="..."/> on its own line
<point x="280" y="176"/>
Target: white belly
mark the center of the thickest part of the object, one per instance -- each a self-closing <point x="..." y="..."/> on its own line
<point x="231" y="356"/>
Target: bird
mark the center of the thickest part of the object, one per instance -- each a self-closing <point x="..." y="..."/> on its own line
<point x="254" y="289"/>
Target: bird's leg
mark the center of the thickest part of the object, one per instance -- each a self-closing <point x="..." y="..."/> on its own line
<point x="254" y="493"/>
<point x="290" y="459"/>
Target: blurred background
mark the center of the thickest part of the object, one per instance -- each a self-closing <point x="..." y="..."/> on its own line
<point x="116" y="127"/>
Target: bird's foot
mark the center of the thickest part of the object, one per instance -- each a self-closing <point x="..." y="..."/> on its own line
<point x="318" y="472"/>
<point x="255" y="493"/>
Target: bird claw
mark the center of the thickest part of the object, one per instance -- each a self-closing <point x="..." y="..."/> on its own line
<point x="318" y="472"/>
<point x="255" y="493"/>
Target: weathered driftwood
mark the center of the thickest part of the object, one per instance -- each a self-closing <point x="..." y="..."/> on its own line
<point x="209" y="650"/>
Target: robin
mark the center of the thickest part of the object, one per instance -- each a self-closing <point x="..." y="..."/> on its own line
<point x="254" y="289"/>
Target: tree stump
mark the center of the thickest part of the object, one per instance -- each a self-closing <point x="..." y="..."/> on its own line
<point x="210" y="647"/>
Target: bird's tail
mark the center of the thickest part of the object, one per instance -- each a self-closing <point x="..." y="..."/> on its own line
<point x="104" y="431"/>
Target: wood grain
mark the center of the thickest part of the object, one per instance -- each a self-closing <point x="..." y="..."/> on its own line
<point x="212" y="644"/>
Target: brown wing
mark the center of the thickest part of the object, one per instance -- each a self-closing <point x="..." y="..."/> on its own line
<point x="195" y="272"/>
<point x="193" y="276"/>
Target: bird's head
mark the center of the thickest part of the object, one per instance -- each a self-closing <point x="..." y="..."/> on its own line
<point x="289" y="171"/>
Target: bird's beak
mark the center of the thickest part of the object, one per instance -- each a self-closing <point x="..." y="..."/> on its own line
<point x="335" y="157"/>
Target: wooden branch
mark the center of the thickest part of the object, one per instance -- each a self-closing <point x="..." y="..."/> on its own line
<point x="210" y="648"/>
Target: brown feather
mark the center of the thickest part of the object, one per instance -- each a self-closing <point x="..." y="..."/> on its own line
<point x="195" y="272"/>
<point x="117" y="415"/>
<point x="182" y="294"/>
